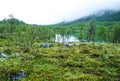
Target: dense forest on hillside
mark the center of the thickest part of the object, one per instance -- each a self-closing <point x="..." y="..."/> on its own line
<point x="96" y="57"/>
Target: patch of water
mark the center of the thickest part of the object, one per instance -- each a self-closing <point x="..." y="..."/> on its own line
<point x="65" y="38"/>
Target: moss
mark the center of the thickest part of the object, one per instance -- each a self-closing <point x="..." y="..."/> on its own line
<point x="59" y="63"/>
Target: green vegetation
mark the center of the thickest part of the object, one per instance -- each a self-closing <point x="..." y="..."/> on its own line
<point x="81" y="62"/>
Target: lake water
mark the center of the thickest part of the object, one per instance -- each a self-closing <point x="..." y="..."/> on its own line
<point x="65" y="38"/>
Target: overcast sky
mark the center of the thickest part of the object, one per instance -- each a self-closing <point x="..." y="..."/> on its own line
<point x="53" y="11"/>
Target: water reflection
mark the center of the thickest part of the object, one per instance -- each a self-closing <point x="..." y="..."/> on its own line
<point x="65" y="38"/>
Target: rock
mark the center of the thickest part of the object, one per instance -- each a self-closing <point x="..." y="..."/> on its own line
<point x="15" y="55"/>
<point x="19" y="75"/>
<point x="3" y="55"/>
<point x="83" y="40"/>
<point x="45" y="45"/>
<point x="26" y="59"/>
<point x="68" y="44"/>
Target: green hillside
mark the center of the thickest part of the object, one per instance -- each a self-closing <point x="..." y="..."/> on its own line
<point x="104" y="15"/>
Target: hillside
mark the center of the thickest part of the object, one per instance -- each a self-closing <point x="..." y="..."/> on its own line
<point x="104" y="15"/>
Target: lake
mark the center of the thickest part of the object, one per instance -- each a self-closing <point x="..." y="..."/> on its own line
<point x="65" y="38"/>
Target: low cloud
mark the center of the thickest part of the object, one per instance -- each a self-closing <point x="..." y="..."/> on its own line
<point x="53" y="11"/>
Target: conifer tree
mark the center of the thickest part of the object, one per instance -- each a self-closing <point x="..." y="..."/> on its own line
<point x="91" y="31"/>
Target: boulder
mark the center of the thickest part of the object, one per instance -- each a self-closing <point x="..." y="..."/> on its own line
<point x="83" y="40"/>
<point x="19" y="75"/>
<point x="45" y="45"/>
<point x="68" y="44"/>
<point x="15" y="55"/>
<point x="3" y="55"/>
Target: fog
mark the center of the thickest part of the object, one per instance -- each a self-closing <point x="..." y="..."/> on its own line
<point x="53" y="11"/>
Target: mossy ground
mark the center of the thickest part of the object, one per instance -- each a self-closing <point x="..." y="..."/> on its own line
<point x="82" y="62"/>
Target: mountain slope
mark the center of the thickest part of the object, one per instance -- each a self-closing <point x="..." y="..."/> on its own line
<point x="105" y="15"/>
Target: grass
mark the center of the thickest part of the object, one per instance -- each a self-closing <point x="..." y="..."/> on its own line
<point x="82" y="62"/>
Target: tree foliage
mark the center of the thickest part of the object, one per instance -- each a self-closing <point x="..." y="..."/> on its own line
<point x="91" y="31"/>
<point x="116" y="38"/>
<point x="17" y="31"/>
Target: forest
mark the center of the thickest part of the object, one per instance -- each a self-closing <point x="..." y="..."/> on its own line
<point x="28" y="52"/>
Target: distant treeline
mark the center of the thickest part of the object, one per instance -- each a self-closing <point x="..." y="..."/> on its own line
<point x="24" y="34"/>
